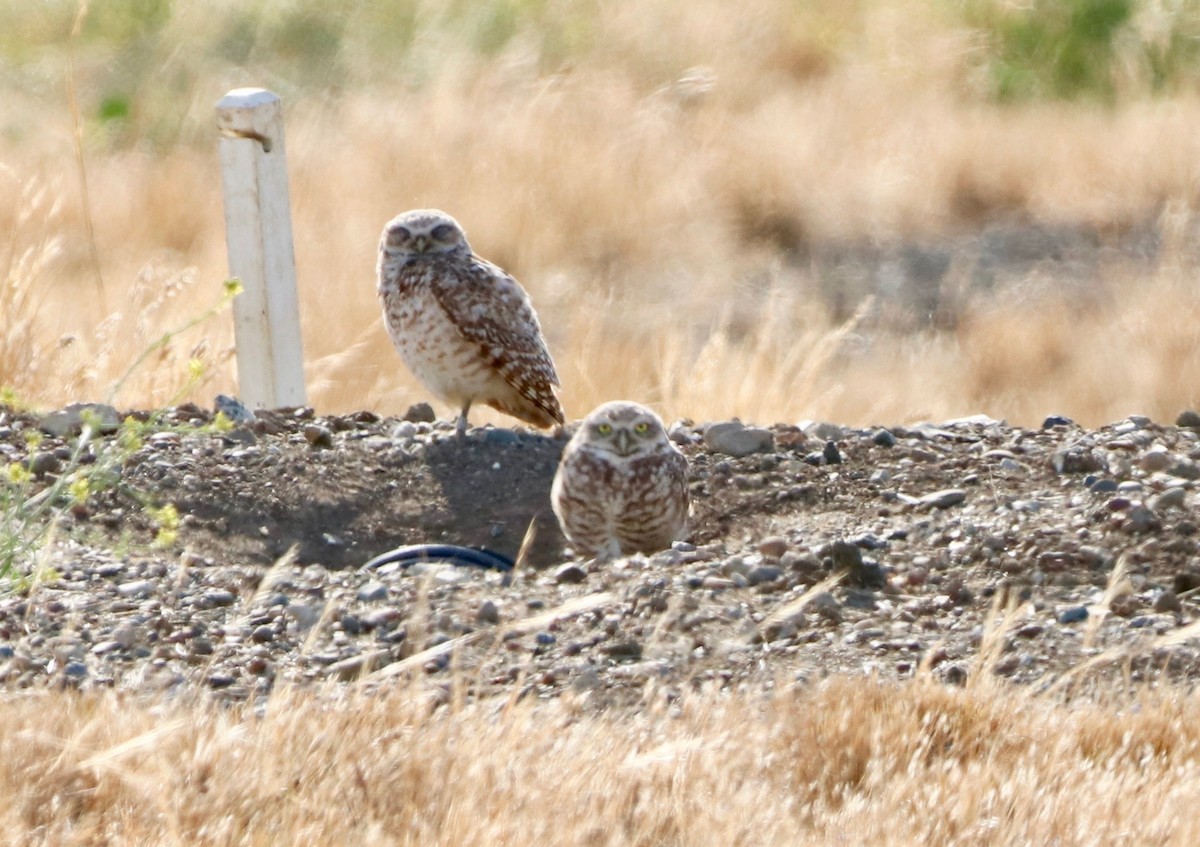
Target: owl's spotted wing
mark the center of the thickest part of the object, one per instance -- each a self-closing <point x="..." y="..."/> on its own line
<point x="491" y="310"/>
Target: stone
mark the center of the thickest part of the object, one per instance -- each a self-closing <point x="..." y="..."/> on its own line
<point x="420" y="413"/>
<point x="1167" y="601"/>
<point x="70" y="419"/>
<point x="1073" y="614"/>
<point x="136" y="588"/>
<point x="773" y="546"/>
<point x="569" y="574"/>
<point x="883" y="438"/>
<point x="733" y="438"/>
<point x="44" y="462"/>
<point x="945" y="498"/>
<point x="1076" y="460"/>
<point x="1189" y="419"/>
<point x="1172" y="498"/>
<point x="317" y="435"/>
<point x="372" y="591"/>
<point x="764" y="574"/>
<point x="487" y="613"/>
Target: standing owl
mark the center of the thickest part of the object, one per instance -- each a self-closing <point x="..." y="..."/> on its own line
<point x="621" y="486"/>
<point x="463" y="326"/>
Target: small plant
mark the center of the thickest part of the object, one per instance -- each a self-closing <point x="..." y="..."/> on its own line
<point x="1070" y="49"/>
<point x="28" y="516"/>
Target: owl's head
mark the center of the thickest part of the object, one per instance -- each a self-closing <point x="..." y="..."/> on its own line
<point x="422" y="232"/>
<point x="623" y="428"/>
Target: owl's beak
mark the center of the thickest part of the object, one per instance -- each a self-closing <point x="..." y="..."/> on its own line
<point x="420" y="243"/>
<point x="623" y="441"/>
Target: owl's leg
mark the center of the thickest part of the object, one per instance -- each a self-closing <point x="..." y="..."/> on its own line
<point x="461" y="428"/>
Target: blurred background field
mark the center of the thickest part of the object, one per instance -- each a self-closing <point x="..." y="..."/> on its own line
<point x="854" y="211"/>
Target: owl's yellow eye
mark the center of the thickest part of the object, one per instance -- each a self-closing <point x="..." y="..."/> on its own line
<point x="641" y="428"/>
<point x="604" y="429"/>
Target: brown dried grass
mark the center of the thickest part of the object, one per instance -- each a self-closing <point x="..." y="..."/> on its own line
<point x="842" y="761"/>
<point x="651" y="218"/>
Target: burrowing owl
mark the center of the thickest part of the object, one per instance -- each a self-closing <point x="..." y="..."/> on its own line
<point x="621" y="486"/>
<point x="463" y="326"/>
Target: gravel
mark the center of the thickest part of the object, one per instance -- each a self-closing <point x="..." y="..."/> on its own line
<point x="890" y="561"/>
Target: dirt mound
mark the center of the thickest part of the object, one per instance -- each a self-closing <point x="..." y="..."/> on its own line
<point x="1091" y="534"/>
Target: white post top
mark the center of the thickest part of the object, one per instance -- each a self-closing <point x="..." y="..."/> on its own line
<point x="243" y="98"/>
<point x="249" y="113"/>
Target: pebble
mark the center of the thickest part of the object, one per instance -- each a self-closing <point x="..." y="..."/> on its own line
<point x="569" y="574"/>
<point x="734" y="438"/>
<point x="70" y="419"/>
<point x="1073" y="614"/>
<point x="420" y="413"/>
<point x="945" y="498"/>
<point x="764" y="574"/>
<point x="487" y="613"/>
<point x="773" y="546"/>
<point x="304" y="614"/>
<point x="372" y="592"/>
<point x="883" y="438"/>
<point x="1167" y="601"/>
<point x="218" y="597"/>
<point x="1172" y="498"/>
<point x="318" y="436"/>
<point x="136" y="588"/>
<point x="1189" y="419"/>
<point x="44" y="462"/>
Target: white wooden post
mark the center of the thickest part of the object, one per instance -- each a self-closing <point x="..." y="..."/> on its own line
<point x="258" y="236"/>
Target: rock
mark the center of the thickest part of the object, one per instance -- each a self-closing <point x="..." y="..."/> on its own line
<point x="773" y="546"/>
<point x="1188" y="419"/>
<point x="764" y="574"/>
<point x="1167" y="601"/>
<point x="883" y="438"/>
<point x="221" y="680"/>
<point x="1056" y="420"/>
<point x="944" y="499"/>
<point x="1139" y="519"/>
<point x="487" y="613"/>
<point x="217" y="597"/>
<point x="233" y="409"/>
<point x="1172" y="498"/>
<point x="1073" y="614"/>
<point x="136" y="588"/>
<point x="372" y="592"/>
<point x="126" y="635"/>
<point x="44" y="462"/>
<point x="317" y="435"/>
<point x="303" y="614"/>
<point x="420" y="413"/>
<point x="823" y="431"/>
<point x="733" y="438"/>
<point x="1156" y="459"/>
<point x="830" y="453"/>
<point x="262" y="634"/>
<point x="70" y="419"/>
<point x="627" y="650"/>
<point x="1076" y="460"/>
<point x="569" y="574"/>
<point x="826" y="606"/>
<point x="384" y="618"/>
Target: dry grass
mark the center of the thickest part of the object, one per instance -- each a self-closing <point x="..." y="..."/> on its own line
<point x="657" y="214"/>
<point x="918" y="763"/>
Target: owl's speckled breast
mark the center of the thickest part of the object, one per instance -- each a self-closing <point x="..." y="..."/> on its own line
<point x="433" y="348"/>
